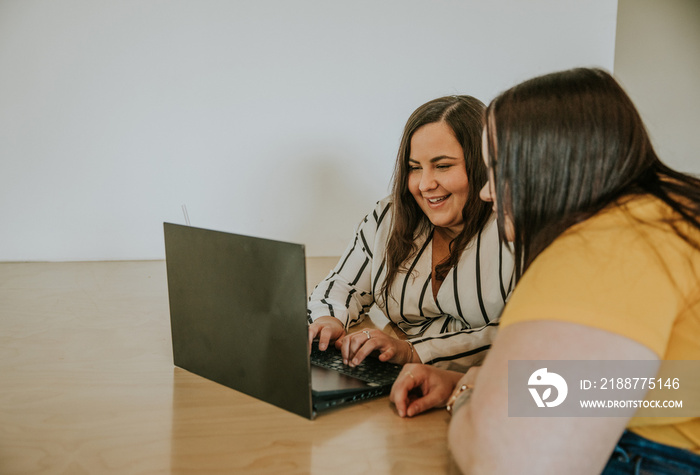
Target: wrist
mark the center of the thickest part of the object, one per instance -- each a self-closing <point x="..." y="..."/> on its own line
<point x="411" y="352"/>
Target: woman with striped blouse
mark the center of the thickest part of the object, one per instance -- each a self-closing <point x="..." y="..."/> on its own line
<point x="428" y="256"/>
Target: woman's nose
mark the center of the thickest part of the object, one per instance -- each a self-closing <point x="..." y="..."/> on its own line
<point x="427" y="181"/>
<point x="485" y="193"/>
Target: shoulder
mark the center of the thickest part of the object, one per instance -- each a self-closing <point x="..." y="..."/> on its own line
<point x="638" y="229"/>
<point x="380" y="215"/>
<point x="373" y="229"/>
<point x="607" y="272"/>
<point x="383" y="209"/>
<point x="639" y="225"/>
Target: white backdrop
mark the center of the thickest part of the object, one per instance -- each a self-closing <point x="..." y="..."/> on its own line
<point x="657" y="60"/>
<point x="266" y="117"/>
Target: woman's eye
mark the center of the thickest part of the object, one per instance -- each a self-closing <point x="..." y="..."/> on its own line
<point x="443" y="167"/>
<point x="413" y="168"/>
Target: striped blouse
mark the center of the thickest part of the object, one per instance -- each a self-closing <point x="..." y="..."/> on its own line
<point x="453" y="331"/>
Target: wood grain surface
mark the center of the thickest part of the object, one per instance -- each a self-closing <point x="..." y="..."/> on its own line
<point x="88" y="386"/>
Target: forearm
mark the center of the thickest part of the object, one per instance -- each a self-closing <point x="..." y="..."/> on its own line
<point x="463" y="441"/>
<point x="457" y="350"/>
<point x="461" y="428"/>
<point x="342" y="295"/>
<point x="336" y="298"/>
<point x="483" y="437"/>
<point x="481" y="444"/>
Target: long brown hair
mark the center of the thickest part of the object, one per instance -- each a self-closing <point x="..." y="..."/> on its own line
<point x="564" y="146"/>
<point x="464" y="115"/>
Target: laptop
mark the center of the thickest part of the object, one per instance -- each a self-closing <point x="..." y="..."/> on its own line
<point x="238" y="317"/>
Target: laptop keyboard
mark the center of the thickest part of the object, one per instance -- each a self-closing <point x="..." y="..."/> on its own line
<point x="371" y="370"/>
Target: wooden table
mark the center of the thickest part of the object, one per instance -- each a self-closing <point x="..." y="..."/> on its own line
<point x="88" y="386"/>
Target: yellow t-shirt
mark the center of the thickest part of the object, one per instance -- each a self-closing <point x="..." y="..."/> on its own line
<point x="625" y="271"/>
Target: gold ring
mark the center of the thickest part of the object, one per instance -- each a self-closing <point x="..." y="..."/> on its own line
<point x="366" y="332"/>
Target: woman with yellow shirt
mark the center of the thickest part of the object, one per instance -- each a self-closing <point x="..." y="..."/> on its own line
<point x="607" y="253"/>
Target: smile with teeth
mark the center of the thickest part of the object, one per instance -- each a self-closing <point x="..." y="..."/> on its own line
<point x="437" y="200"/>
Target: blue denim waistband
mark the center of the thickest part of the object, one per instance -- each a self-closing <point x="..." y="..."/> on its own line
<point x="639" y="456"/>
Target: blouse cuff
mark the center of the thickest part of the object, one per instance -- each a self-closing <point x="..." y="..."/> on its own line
<point x="422" y="351"/>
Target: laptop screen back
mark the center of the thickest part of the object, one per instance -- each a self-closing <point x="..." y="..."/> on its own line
<point x="238" y="313"/>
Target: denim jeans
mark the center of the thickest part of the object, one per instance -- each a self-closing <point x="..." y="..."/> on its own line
<point x="639" y="456"/>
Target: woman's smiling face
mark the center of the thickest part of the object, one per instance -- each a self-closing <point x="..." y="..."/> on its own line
<point x="437" y="176"/>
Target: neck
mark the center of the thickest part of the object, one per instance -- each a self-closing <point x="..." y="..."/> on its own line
<point x="448" y="234"/>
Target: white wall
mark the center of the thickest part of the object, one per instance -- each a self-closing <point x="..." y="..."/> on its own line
<point x="657" y="59"/>
<point x="265" y="117"/>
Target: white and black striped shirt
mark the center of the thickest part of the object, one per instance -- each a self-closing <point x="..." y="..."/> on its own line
<point x="453" y="331"/>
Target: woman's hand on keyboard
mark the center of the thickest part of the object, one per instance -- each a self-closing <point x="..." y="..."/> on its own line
<point x="357" y="346"/>
<point x="327" y="330"/>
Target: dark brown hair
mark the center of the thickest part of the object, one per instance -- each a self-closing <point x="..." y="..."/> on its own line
<point x="564" y="146"/>
<point x="464" y="115"/>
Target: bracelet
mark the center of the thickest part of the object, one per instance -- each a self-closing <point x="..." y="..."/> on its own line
<point x="457" y="395"/>
<point x="410" y="358"/>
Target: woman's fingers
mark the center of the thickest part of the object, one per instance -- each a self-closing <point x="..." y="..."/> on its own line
<point x="351" y="344"/>
<point x="428" y="387"/>
<point x="326" y="335"/>
<point x="326" y="329"/>
<point x="357" y="346"/>
<point x="429" y="400"/>
<point x="367" y="346"/>
<point x="401" y="391"/>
